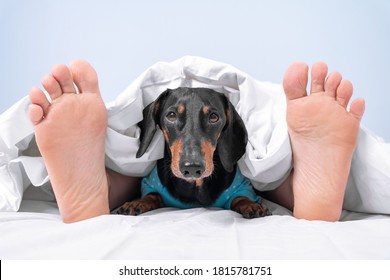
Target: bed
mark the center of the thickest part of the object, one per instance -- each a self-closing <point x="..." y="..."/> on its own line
<point x="31" y="227"/>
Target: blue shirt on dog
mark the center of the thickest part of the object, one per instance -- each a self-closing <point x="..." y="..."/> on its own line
<point x="241" y="186"/>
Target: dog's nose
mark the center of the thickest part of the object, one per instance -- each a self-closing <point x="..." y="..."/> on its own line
<point x="192" y="170"/>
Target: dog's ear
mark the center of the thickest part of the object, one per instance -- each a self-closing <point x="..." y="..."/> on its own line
<point x="151" y="116"/>
<point x="234" y="137"/>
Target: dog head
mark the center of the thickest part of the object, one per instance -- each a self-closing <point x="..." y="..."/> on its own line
<point x="195" y="123"/>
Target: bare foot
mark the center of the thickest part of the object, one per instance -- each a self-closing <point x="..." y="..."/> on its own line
<point x="70" y="133"/>
<point x="323" y="137"/>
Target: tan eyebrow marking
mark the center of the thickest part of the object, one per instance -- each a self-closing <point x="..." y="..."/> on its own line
<point x="181" y="108"/>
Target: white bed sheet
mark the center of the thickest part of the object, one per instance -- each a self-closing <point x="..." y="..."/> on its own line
<point x="37" y="232"/>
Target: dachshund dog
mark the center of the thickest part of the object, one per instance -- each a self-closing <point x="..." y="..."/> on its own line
<point x="204" y="139"/>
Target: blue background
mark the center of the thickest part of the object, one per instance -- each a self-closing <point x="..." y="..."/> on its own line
<point x="122" y="38"/>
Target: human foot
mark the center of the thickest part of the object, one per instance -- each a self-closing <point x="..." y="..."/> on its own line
<point x="323" y="137"/>
<point x="70" y="133"/>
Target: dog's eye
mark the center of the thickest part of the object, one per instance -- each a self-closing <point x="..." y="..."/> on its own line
<point x="171" y="116"/>
<point x="213" y="118"/>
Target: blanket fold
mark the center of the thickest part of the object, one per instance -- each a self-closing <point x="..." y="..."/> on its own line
<point x="261" y="105"/>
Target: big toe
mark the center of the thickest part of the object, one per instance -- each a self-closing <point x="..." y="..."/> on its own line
<point x="84" y="76"/>
<point x="295" y="80"/>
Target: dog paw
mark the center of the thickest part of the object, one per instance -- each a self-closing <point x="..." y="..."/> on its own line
<point x="255" y="210"/>
<point x="250" y="209"/>
<point x="133" y="208"/>
<point x="140" y="206"/>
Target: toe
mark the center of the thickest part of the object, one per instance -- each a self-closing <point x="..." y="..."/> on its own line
<point x="38" y="98"/>
<point x="51" y="86"/>
<point x="35" y="113"/>
<point x="332" y="83"/>
<point x="344" y="93"/>
<point x="318" y="75"/>
<point x="64" y="78"/>
<point x="84" y="76"/>
<point x="357" y="108"/>
<point x="295" y="80"/>
<point x="39" y="105"/>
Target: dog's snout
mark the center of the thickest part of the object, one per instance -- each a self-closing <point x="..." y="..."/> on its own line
<point x="192" y="169"/>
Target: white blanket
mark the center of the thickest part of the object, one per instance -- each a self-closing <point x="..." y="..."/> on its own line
<point x="36" y="231"/>
<point x="261" y="105"/>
